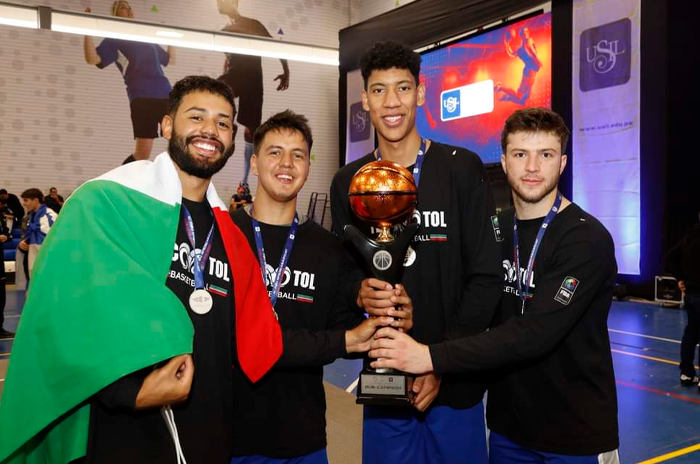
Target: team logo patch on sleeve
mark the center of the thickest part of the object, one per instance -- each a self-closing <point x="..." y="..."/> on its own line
<point x="496" y="228"/>
<point x="566" y="290"/>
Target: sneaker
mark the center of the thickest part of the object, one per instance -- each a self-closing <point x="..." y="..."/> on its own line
<point x="5" y="334"/>
<point x="688" y="381"/>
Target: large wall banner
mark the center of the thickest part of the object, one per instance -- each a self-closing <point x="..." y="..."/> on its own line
<point x="605" y="134"/>
<point x="359" y="138"/>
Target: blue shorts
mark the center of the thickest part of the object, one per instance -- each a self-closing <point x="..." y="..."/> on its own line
<point x="505" y="451"/>
<point x="317" y="457"/>
<point x="442" y="435"/>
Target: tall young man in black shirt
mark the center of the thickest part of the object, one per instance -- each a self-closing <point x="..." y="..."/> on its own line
<point x="553" y="398"/>
<point x="452" y="269"/>
<point x="282" y="418"/>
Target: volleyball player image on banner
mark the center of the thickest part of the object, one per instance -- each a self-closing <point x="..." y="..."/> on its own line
<point x="474" y="84"/>
<point x="141" y="64"/>
<point x="243" y="73"/>
<point x="527" y="53"/>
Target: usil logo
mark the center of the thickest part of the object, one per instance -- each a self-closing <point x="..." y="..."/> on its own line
<point x="359" y="120"/>
<point x="603" y="55"/>
<point x="450" y="104"/>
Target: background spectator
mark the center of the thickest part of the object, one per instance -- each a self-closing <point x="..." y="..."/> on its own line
<point x="54" y="200"/>
<point x="683" y="262"/>
<point x="40" y="218"/>
<point x="241" y="198"/>
<point x="13" y="204"/>
<point x="5" y="235"/>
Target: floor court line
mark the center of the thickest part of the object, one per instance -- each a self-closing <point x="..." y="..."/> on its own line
<point x="352" y="385"/>
<point x="676" y="396"/>
<point x="650" y="358"/>
<point x="670" y="340"/>
<point x="671" y="455"/>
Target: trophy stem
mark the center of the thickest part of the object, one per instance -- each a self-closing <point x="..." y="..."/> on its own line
<point x="385" y="235"/>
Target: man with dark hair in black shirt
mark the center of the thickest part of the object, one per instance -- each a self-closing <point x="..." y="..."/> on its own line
<point x="127" y="422"/>
<point x="311" y="283"/>
<point x="553" y="395"/>
<point x="14" y="205"/>
<point x="5" y="235"/>
<point x="684" y="263"/>
<point x="451" y="270"/>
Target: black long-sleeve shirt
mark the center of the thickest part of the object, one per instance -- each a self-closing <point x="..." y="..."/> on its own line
<point x="283" y="414"/>
<point x="554" y="387"/>
<point x="683" y="261"/>
<point x="455" y="280"/>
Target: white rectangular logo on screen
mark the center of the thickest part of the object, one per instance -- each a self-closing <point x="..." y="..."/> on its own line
<point x="466" y="101"/>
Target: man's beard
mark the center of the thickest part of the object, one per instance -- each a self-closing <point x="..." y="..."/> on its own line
<point x="533" y="197"/>
<point x="177" y="148"/>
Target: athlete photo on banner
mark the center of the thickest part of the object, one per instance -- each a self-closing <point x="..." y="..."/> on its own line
<point x="243" y="73"/>
<point x="474" y="84"/>
<point x="141" y="64"/>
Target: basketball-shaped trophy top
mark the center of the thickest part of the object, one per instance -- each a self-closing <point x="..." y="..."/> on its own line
<point x="383" y="193"/>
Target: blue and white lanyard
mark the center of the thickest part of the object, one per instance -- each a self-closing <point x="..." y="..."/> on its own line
<point x="525" y="293"/>
<point x="200" y="260"/>
<point x="285" y="253"/>
<point x="419" y="161"/>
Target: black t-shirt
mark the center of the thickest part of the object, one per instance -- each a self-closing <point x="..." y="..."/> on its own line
<point x="15" y="206"/>
<point x="684" y="260"/>
<point x="53" y="204"/>
<point x="554" y="385"/>
<point x="454" y="276"/>
<point x="283" y="414"/>
<point x="118" y="434"/>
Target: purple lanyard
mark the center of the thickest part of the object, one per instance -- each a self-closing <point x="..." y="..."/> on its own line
<point x="525" y="293"/>
<point x="419" y="161"/>
<point x="285" y="253"/>
<point x="200" y="260"/>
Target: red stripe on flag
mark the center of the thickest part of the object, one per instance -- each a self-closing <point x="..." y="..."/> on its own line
<point x="258" y="333"/>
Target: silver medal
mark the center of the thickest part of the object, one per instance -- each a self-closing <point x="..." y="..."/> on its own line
<point x="201" y="301"/>
<point x="410" y="257"/>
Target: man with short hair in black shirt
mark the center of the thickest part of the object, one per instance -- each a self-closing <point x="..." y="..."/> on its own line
<point x="127" y="422"/>
<point x="452" y="269"/>
<point x="311" y="281"/>
<point x="13" y="207"/>
<point x="684" y="263"/>
<point x="53" y="200"/>
<point x="553" y="396"/>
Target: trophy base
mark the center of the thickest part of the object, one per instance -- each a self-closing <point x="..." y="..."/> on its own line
<point x="382" y="388"/>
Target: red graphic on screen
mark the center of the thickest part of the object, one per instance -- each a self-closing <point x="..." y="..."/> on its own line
<point x="517" y="58"/>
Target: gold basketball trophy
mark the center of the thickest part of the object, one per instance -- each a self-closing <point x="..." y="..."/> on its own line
<point x="383" y="194"/>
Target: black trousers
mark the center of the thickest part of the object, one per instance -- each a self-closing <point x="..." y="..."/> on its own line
<point x="691" y="336"/>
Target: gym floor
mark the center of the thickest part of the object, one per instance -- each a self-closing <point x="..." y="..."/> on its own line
<point x="657" y="415"/>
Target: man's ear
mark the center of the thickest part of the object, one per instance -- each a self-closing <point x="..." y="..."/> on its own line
<point x="254" y="164"/>
<point x="365" y="101"/>
<point x="166" y="126"/>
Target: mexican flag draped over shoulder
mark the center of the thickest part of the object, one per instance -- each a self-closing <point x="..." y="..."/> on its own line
<point x="98" y="308"/>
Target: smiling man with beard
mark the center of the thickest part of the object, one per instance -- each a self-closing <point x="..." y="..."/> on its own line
<point x="158" y="293"/>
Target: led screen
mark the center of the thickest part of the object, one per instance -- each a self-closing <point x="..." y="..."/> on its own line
<point x="474" y="84"/>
